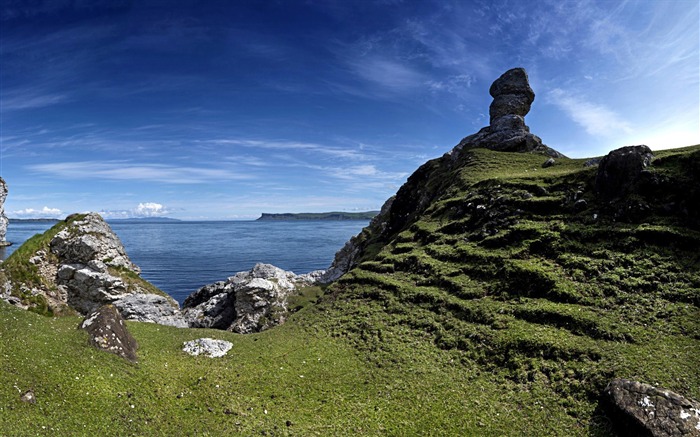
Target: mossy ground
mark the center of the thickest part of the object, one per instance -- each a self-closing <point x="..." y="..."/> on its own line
<point x="502" y="309"/>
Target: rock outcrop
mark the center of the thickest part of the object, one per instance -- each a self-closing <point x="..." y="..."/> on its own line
<point x="246" y="302"/>
<point x="107" y="331"/>
<point x="644" y="410"/>
<point x="507" y="131"/>
<point x="620" y="169"/>
<point x="208" y="347"/>
<point x="3" y="217"/>
<point x="81" y="264"/>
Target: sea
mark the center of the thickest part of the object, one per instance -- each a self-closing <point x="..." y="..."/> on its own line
<point x="179" y="257"/>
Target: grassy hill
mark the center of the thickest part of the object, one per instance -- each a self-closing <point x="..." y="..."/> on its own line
<point x="498" y="306"/>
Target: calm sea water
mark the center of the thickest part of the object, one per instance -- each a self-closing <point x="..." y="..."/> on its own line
<point x="180" y="257"/>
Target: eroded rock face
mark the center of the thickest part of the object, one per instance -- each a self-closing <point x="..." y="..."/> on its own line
<point x="246" y="302"/>
<point x="107" y="331"/>
<point x="641" y="409"/>
<point x="3" y="217"/>
<point x="620" y="169"/>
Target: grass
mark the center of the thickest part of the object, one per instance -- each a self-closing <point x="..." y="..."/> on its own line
<point x="497" y="308"/>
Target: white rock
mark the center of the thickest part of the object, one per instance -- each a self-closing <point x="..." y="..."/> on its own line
<point x="207" y="346"/>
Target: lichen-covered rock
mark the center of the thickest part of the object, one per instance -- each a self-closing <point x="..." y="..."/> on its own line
<point x="88" y="239"/>
<point x="207" y="346"/>
<point x="620" y="169"/>
<point x="246" y="302"/>
<point x="644" y="410"/>
<point x="107" y="331"/>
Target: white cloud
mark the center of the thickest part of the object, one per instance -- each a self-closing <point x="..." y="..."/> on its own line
<point x="595" y="118"/>
<point x="144" y="209"/>
<point x="44" y="212"/>
<point x="150" y="209"/>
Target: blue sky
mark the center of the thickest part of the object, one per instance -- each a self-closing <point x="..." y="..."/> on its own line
<point x="227" y="109"/>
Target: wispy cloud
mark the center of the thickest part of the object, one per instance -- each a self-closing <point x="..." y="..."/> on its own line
<point x="387" y="73"/>
<point x="29" y="99"/>
<point x="334" y="152"/>
<point x="127" y="171"/>
<point x="597" y="119"/>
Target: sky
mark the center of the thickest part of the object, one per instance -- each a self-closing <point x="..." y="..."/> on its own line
<point x="220" y="110"/>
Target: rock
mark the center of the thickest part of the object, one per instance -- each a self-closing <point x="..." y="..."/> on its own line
<point x="28" y="397"/>
<point x="207" y="346"/>
<point x="107" y="331"/>
<point x="509" y="104"/>
<point x="246" y="302"/>
<point x="507" y="132"/>
<point x="548" y="163"/>
<point x="620" y="169"/>
<point x="513" y="82"/>
<point x="151" y="308"/>
<point x="85" y="266"/>
<point x="3" y="217"/>
<point x="87" y="289"/>
<point x="511" y="94"/>
<point x="592" y="162"/>
<point x="88" y="239"/>
<point x="641" y="409"/>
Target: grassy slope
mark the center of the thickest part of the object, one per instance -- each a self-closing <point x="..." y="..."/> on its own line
<point x="451" y="329"/>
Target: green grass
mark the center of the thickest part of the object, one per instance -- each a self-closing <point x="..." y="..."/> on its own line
<point x="292" y="380"/>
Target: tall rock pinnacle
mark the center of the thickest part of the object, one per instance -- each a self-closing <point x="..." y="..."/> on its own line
<point x="511" y="94"/>
<point x="507" y="131"/>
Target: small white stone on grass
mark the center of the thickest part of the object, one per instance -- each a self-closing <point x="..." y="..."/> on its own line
<point x="207" y="346"/>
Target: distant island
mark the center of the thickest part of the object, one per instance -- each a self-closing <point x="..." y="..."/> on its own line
<point x="34" y="220"/>
<point x="368" y="215"/>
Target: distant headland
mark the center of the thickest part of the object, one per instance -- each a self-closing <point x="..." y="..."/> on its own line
<point x="368" y="215"/>
<point x="34" y="220"/>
